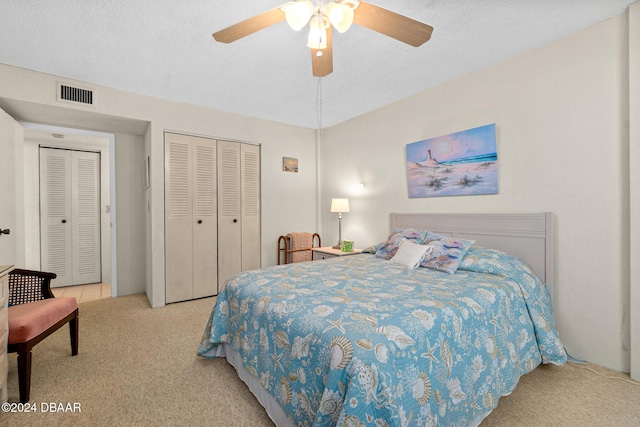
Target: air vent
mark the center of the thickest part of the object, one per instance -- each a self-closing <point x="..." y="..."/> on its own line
<point x="75" y="94"/>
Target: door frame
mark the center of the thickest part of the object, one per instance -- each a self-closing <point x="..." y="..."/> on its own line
<point x="112" y="187"/>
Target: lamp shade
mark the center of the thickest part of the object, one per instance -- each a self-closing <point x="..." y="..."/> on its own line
<point x="340" y="16"/>
<point x="298" y="14"/>
<point x="317" y="33"/>
<point x="340" y="205"/>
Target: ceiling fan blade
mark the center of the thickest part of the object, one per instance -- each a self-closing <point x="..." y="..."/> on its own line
<point x="391" y="24"/>
<point x="250" y="26"/>
<point x="323" y="65"/>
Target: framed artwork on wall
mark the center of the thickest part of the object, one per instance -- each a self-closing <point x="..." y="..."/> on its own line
<point x="459" y="164"/>
<point x="289" y="164"/>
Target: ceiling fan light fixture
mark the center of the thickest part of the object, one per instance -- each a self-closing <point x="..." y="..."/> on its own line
<point x="317" y="32"/>
<point x="297" y="14"/>
<point x="340" y="15"/>
<point x="322" y="16"/>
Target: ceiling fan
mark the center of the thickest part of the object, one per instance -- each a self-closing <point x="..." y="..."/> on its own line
<point x="322" y="16"/>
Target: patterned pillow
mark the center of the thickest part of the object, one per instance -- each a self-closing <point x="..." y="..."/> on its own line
<point x="391" y="245"/>
<point x="493" y="261"/>
<point x="444" y="253"/>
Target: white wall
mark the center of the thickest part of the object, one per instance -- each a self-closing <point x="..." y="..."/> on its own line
<point x="562" y="147"/>
<point x="130" y="205"/>
<point x="288" y="199"/>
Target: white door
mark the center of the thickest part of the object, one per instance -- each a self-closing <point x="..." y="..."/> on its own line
<point x="229" y="214"/>
<point x="250" y="186"/>
<point x="178" y="189"/>
<point x="205" y="221"/>
<point x="239" y="209"/>
<point x="191" y="265"/>
<point x="11" y="140"/>
<point x="85" y="210"/>
<point x="55" y="215"/>
<point x="70" y="215"/>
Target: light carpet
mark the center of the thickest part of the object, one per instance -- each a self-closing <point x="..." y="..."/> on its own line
<point x="138" y="366"/>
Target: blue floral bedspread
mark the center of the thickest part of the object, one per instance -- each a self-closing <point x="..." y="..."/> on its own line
<point x="361" y="341"/>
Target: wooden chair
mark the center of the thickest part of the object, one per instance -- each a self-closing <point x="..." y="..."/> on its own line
<point x="287" y="248"/>
<point x="34" y="314"/>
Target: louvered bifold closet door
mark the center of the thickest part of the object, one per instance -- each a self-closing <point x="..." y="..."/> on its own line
<point x="250" y="190"/>
<point x="205" y="221"/>
<point x="191" y="261"/>
<point x="70" y="216"/>
<point x="85" y="224"/>
<point x="229" y="214"/>
<point x="55" y="214"/>
<point x="178" y="218"/>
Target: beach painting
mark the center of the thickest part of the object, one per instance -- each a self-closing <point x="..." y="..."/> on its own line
<point x="459" y="164"/>
<point x="289" y="164"/>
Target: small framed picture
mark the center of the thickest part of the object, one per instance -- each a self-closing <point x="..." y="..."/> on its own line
<point x="289" y="164"/>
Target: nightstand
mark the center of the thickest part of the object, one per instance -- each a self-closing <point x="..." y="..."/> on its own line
<point x="327" y="252"/>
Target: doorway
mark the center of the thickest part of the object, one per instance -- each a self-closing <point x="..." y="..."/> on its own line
<point x="43" y="137"/>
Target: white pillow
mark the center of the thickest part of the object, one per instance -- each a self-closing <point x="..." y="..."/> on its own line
<point x="409" y="254"/>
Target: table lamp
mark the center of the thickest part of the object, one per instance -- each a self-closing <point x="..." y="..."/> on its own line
<point x="339" y="206"/>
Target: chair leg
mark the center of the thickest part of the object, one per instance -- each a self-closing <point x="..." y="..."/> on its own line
<point x="73" y="331"/>
<point x="24" y="375"/>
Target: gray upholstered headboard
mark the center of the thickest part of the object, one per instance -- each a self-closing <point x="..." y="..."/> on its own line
<point x="527" y="236"/>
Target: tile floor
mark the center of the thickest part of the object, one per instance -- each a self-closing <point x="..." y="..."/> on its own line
<point x="85" y="293"/>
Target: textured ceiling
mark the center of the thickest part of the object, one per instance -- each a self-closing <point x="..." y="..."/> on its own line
<point x="164" y="48"/>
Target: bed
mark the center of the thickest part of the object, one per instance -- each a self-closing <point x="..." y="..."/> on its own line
<point x="364" y="341"/>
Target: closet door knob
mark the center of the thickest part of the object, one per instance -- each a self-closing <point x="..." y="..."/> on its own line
<point x="64" y="221"/>
<point x="199" y="221"/>
<point x="235" y="220"/>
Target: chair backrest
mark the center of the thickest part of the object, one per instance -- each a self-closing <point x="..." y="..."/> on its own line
<point x="29" y="286"/>
<point x="296" y="247"/>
